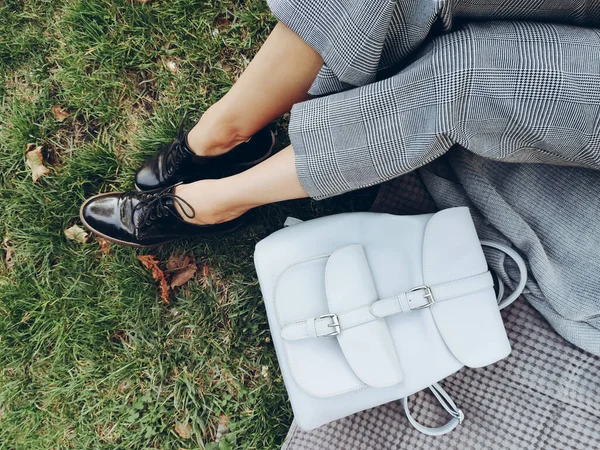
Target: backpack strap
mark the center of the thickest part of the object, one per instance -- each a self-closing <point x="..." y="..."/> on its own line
<point x="522" y="270"/>
<point x="447" y="403"/>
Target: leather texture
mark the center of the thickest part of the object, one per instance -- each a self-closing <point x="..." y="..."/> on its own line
<point x="176" y="162"/>
<point x="367" y="347"/>
<point x="402" y="303"/>
<point x="349" y="262"/>
<point x="475" y="342"/>
<point x="143" y="219"/>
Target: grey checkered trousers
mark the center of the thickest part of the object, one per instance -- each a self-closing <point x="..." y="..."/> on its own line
<point x="512" y="91"/>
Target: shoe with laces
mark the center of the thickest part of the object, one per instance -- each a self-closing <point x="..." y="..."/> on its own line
<point x="176" y="163"/>
<point x="146" y="219"/>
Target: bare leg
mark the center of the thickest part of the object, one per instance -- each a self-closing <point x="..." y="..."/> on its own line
<point x="279" y="76"/>
<point x="216" y="201"/>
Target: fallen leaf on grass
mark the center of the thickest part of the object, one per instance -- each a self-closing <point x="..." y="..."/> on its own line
<point x="118" y="336"/>
<point x="10" y="254"/>
<point x="182" y="276"/>
<point x="204" y="274"/>
<point x="223" y="21"/>
<point x="184" y="429"/>
<point x="180" y="261"/>
<point x="150" y="262"/>
<point x="104" y="245"/>
<point x="59" y="114"/>
<point x="35" y="161"/>
<point x="76" y="233"/>
<point x="182" y="268"/>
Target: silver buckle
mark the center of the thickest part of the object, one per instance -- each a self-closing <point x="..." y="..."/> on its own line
<point x="335" y="324"/>
<point x="428" y="295"/>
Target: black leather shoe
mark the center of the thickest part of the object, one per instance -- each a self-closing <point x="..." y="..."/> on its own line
<point x="176" y="163"/>
<point x="145" y="219"/>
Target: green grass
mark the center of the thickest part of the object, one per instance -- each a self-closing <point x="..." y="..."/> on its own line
<point x="89" y="357"/>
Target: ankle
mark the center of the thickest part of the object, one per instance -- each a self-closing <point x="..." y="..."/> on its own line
<point x="210" y="202"/>
<point x="215" y="133"/>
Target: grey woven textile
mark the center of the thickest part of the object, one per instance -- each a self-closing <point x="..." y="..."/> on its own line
<point x="508" y="91"/>
<point x="545" y="395"/>
<point x="515" y="91"/>
<point x="359" y="39"/>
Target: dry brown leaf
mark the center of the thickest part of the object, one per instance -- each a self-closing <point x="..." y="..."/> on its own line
<point x="9" y="259"/>
<point x="184" y="429"/>
<point x="222" y="428"/>
<point x="76" y="233"/>
<point x="223" y="21"/>
<point x="204" y="274"/>
<point x="59" y="114"/>
<point x="35" y="161"/>
<point x="104" y="245"/>
<point x="182" y="276"/>
<point x="180" y="261"/>
<point x="182" y="268"/>
<point x="150" y="262"/>
<point x="118" y="336"/>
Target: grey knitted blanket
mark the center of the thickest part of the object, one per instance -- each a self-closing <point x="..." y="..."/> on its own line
<point x="482" y="94"/>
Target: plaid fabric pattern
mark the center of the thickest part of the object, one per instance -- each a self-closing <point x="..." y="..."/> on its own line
<point x="514" y="91"/>
<point x="357" y="39"/>
<point x="545" y="395"/>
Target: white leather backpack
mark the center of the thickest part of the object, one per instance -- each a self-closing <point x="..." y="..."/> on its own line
<point x="368" y="308"/>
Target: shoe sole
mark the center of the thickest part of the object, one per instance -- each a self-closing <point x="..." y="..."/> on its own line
<point x="133" y="244"/>
<point x="250" y="164"/>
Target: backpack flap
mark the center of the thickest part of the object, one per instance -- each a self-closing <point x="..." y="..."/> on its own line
<point x="368" y="347"/>
<point x="363" y="355"/>
<point x="470" y="325"/>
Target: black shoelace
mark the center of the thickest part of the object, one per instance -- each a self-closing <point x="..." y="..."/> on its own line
<point x="156" y="207"/>
<point x="176" y="152"/>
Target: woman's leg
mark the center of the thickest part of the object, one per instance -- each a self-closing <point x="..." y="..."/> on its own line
<point x="279" y="76"/>
<point x="534" y="104"/>
<point x="216" y="201"/>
